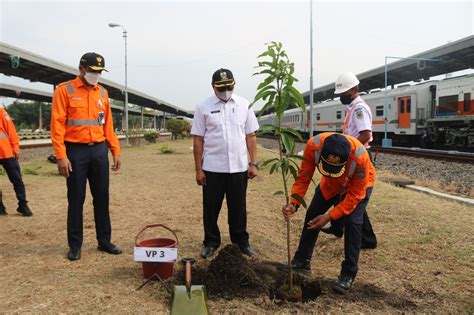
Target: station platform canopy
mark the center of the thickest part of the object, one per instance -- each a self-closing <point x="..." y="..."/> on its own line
<point x="14" y="91"/>
<point x="454" y="56"/>
<point x="36" y="68"/>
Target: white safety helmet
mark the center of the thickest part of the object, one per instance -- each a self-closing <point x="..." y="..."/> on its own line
<point x="345" y="82"/>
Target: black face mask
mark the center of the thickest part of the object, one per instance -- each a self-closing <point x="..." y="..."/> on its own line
<point x="346" y="99"/>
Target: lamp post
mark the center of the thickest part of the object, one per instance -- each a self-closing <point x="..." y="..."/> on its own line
<point x="386" y="143"/>
<point x="311" y="128"/>
<point x="112" y="25"/>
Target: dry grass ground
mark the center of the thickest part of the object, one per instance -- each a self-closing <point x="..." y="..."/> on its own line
<point x="424" y="262"/>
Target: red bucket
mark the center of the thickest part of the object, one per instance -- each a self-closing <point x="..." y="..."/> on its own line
<point x="164" y="270"/>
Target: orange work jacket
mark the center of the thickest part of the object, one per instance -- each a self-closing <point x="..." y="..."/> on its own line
<point x="75" y="117"/>
<point x="359" y="175"/>
<point x="9" y="141"/>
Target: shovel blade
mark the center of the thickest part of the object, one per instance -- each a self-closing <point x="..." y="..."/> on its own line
<point x="192" y="304"/>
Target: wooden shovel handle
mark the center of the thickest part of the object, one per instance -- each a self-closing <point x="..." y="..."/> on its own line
<point x="188" y="274"/>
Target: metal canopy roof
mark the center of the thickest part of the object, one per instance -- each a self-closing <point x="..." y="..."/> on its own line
<point x="40" y="69"/>
<point x="15" y="91"/>
<point x="455" y="56"/>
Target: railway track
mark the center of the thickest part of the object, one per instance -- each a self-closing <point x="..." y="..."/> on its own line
<point x="448" y="155"/>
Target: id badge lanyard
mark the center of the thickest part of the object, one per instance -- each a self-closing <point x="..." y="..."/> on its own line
<point x="101" y="118"/>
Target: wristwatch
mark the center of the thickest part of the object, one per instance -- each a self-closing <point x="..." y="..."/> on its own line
<point x="253" y="164"/>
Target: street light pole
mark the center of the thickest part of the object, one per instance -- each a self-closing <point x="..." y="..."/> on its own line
<point x="126" y="83"/>
<point x="311" y="129"/>
<point x="386" y="143"/>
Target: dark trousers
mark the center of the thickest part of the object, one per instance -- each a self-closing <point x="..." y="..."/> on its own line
<point x="352" y="225"/>
<point x="368" y="236"/>
<point x="88" y="163"/>
<point x="12" y="167"/>
<point x="234" y="188"/>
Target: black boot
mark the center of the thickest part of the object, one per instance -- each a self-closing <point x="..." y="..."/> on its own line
<point x="343" y="284"/>
<point x="24" y="210"/>
<point x="303" y="268"/>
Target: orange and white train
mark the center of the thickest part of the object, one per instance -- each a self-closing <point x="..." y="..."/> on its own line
<point x="437" y="112"/>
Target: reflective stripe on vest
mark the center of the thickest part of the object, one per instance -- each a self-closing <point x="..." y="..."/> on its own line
<point x="2" y="135"/>
<point x="82" y="122"/>
<point x="352" y="168"/>
<point x="317" y="154"/>
<point x="359" y="151"/>
<point x="69" y="88"/>
<point x="316" y="139"/>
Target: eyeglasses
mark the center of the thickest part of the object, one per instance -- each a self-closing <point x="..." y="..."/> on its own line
<point x="225" y="88"/>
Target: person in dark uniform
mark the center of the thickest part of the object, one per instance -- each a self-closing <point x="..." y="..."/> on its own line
<point x="9" y="155"/>
<point x="82" y="131"/>
<point x="348" y="177"/>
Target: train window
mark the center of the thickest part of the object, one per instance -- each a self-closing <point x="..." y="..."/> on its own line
<point x="338" y="114"/>
<point x="467" y="102"/>
<point x="318" y="116"/>
<point x="379" y="110"/>
<point x="448" y="104"/>
<point x="408" y="105"/>
<point x="402" y="105"/>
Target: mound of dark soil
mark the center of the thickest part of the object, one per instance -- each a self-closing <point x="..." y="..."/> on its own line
<point x="229" y="275"/>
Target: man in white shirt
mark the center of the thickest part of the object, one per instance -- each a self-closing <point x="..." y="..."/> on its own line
<point x="358" y="124"/>
<point x="223" y="130"/>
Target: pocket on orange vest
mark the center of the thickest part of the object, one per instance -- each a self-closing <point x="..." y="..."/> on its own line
<point x="76" y="103"/>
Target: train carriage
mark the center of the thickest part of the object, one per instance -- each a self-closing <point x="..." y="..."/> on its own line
<point x="436" y="112"/>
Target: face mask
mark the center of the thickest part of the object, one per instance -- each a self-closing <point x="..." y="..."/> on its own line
<point x="346" y="99"/>
<point x="225" y="96"/>
<point x="92" y="77"/>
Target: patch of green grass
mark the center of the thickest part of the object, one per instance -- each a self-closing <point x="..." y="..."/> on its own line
<point x="31" y="171"/>
<point x="165" y="149"/>
<point x="464" y="308"/>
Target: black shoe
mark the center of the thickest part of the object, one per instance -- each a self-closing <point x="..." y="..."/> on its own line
<point x="24" y="210"/>
<point x="74" y="254"/>
<point x="303" y="268"/>
<point x="343" y="284"/>
<point x="207" y="251"/>
<point x="368" y="246"/>
<point x="333" y="231"/>
<point x="109" y="249"/>
<point x="3" y="211"/>
<point x="248" y="251"/>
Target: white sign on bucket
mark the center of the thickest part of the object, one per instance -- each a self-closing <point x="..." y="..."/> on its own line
<point x="155" y="254"/>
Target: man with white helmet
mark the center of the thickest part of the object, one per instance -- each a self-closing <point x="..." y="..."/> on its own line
<point x="358" y="124"/>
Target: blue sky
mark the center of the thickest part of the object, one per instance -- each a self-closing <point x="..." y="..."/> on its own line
<point x="175" y="46"/>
